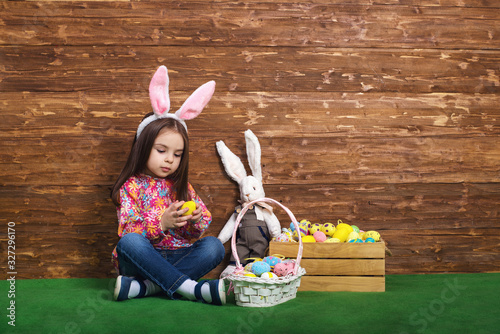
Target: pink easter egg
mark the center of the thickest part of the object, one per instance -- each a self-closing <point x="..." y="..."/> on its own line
<point x="319" y="236"/>
<point x="284" y="268"/>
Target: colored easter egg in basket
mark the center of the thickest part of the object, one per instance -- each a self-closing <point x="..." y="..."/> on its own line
<point x="370" y="240"/>
<point x="355" y="228"/>
<point x="319" y="236"/>
<point x="269" y="275"/>
<point x="249" y="275"/>
<point x="284" y="268"/>
<point x="260" y="267"/>
<point x="272" y="260"/>
<point x="248" y="267"/>
<point x="308" y="238"/>
<point x="373" y="234"/>
<point x="328" y="229"/>
<point x="292" y="227"/>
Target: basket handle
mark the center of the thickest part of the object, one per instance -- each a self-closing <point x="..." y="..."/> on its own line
<point x="240" y="216"/>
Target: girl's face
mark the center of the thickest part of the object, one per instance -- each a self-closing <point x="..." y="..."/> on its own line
<point x="165" y="155"/>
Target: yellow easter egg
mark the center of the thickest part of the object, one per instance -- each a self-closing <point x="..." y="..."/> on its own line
<point x="353" y="236"/>
<point x="372" y="234"/>
<point x="302" y="234"/>
<point x="328" y="229"/>
<point x="341" y="234"/>
<point x="315" y="228"/>
<point x="250" y="275"/>
<point x="305" y="222"/>
<point x="191" y="207"/>
<point x="308" y="238"/>
<point x="342" y="231"/>
<point x="346" y="226"/>
<point x="332" y="240"/>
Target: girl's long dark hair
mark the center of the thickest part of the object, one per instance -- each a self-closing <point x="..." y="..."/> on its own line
<point x="139" y="155"/>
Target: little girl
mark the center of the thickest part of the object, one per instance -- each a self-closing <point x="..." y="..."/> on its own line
<point x="156" y="250"/>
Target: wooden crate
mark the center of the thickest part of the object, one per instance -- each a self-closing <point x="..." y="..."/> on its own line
<point x="338" y="266"/>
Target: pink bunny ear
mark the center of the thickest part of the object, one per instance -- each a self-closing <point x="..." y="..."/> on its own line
<point x="158" y="91"/>
<point x="195" y="103"/>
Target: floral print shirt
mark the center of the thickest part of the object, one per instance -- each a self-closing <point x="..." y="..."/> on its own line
<point x="143" y="200"/>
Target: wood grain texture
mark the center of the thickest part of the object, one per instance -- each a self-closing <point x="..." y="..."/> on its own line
<point x="328" y="251"/>
<point x="382" y="113"/>
<point x="251" y="68"/>
<point x="236" y="23"/>
<point x="342" y="283"/>
<point x="337" y="267"/>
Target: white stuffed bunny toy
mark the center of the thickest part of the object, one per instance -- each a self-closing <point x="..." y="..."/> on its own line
<point x="259" y="224"/>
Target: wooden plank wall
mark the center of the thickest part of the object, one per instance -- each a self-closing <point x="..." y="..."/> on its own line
<point x="382" y="113"/>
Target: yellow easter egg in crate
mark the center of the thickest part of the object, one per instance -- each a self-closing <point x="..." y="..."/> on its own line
<point x="342" y="232"/>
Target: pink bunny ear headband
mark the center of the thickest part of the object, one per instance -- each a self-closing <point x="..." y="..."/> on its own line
<point x="160" y="100"/>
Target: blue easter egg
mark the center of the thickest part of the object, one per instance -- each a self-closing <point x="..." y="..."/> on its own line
<point x="272" y="260"/>
<point x="260" y="267"/>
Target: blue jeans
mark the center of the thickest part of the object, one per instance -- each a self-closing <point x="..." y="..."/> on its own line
<point x="168" y="268"/>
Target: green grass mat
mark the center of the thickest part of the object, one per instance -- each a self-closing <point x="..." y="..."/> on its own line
<point x="448" y="303"/>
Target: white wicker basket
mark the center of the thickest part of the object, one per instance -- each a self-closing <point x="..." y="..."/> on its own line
<point x="264" y="292"/>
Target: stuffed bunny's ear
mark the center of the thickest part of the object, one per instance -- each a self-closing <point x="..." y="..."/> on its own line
<point x="253" y="153"/>
<point x="195" y="103"/>
<point x="232" y="164"/>
<point x="158" y="91"/>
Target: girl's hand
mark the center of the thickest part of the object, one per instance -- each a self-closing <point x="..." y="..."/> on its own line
<point x="173" y="218"/>
<point x="196" y="214"/>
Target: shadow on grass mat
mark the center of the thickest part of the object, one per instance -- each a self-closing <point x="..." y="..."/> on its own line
<point x="447" y="303"/>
